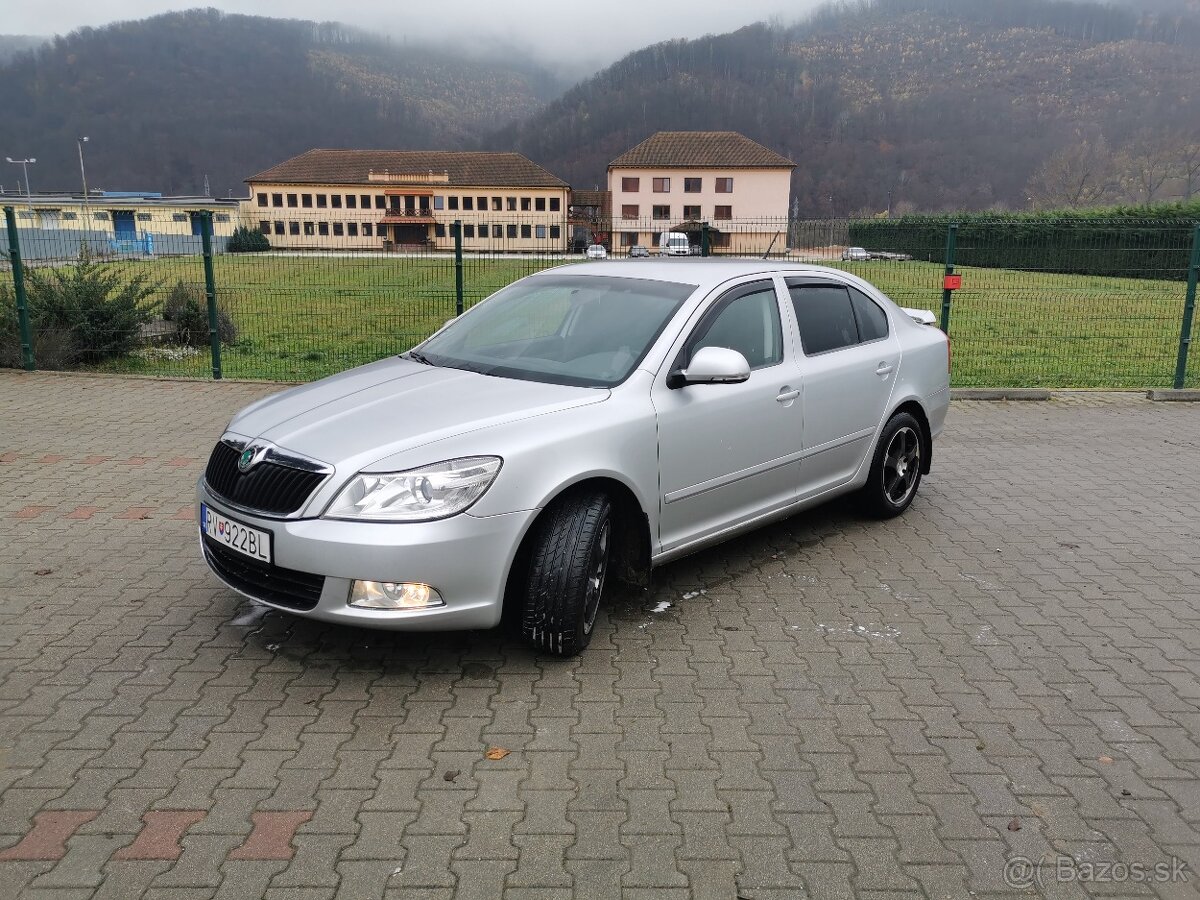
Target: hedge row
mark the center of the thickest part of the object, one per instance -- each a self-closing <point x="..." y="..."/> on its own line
<point x="1129" y="242"/>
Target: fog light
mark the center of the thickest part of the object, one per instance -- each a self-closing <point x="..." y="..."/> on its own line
<point x="394" y="595"/>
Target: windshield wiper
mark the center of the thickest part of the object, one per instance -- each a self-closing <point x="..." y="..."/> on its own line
<point x="418" y="356"/>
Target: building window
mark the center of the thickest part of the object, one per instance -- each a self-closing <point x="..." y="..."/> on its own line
<point x="262" y="199"/>
<point x="662" y="212"/>
<point x="335" y="200"/>
<point x="264" y="226"/>
<point x="512" y="232"/>
<point x="277" y="199"/>
<point x="439" y="230"/>
<point x="629" y="210"/>
<point x="322" y="201"/>
<point x="691" y="212"/>
<point x="439" y="202"/>
<point x="628" y="238"/>
<point x="364" y="201"/>
<point x="662" y="185"/>
<point x="468" y="203"/>
<point x="497" y="204"/>
<point x="352" y="227"/>
<point x="468" y="231"/>
<point x="380" y="201"/>
<point x="526" y="204"/>
<point x="323" y="229"/>
<point x="724" y="185"/>
<point x="279" y="228"/>
<point x="221" y="217"/>
<point x="175" y="217"/>
<point x="338" y="229"/>
<point x="309" y="229"/>
<point x="52" y="214"/>
<point x="691" y="185"/>
<point x="292" y="201"/>
<point x="351" y="201"/>
<point x="722" y="212"/>
<point x="526" y="231"/>
<point x="555" y="232"/>
<point x="497" y="231"/>
<point x="452" y="203"/>
<point x="481" y="205"/>
<point x="306" y="201"/>
<point x="294" y="228"/>
<point x="539" y="204"/>
<point x="631" y="185"/>
<point x="511" y="204"/>
<point x="69" y="217"/>
<point x="540" y="231"/>
<point x="366" y="229"/>
<point x="555" y="204"/>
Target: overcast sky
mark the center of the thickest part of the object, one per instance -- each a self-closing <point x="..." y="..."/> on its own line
<point x="560" y="31"/>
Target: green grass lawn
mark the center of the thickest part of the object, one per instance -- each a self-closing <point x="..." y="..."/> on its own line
<point x="301" y="318"/>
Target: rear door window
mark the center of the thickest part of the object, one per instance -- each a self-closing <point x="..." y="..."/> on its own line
<point x="824" y="315"/>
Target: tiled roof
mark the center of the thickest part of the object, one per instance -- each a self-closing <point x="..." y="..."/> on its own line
<point x="464" y="169"/>
<point x="700" y="150"/>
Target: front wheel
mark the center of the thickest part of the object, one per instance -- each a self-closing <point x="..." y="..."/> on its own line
<point x="568" y="567"/>
<point x="895" y="469"/>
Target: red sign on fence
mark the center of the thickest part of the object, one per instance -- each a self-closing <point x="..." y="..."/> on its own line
<point x="952" y="282"/>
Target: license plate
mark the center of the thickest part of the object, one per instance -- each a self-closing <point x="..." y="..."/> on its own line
<point x="236" y="536"/>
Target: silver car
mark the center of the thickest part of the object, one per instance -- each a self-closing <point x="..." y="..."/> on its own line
<point x="583" y="424"/>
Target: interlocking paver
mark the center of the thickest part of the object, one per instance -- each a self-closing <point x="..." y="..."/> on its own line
<point x="827" y="707"/>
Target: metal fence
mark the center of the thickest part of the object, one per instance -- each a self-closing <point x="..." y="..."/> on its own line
<point x="1060" y="303"/>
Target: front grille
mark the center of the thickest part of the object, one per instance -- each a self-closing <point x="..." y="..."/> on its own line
<point x="264" y="581"/>
<point x="268" y="487"/>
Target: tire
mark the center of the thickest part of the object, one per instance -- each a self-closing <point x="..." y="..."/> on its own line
<point x="895" y="469"/>
<point x="568" y="567"/>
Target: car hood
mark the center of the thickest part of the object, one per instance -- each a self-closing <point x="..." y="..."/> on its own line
<point x="395" y="405"/>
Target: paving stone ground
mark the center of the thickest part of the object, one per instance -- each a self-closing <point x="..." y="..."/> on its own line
<point x="828" y="707"/>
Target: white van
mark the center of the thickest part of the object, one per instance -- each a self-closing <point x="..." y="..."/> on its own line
<point x="673" y="243"/>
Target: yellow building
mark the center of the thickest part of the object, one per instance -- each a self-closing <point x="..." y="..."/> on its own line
<point x="683" y="180"/>
<point x="397" y="199"/>
<point x="54" y="226"/>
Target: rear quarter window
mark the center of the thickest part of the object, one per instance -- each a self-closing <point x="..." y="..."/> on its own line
<point x="872" y="320"/>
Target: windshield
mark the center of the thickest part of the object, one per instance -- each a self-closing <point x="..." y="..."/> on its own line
<point x="582" y="330"/>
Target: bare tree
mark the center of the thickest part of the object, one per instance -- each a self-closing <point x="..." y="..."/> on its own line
<point x="1188" y="165"/>
<point x="1081" y="174"/>
<point x="1146" y="163"/>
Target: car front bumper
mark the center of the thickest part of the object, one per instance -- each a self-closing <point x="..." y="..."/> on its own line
<point x="466" y="558"/>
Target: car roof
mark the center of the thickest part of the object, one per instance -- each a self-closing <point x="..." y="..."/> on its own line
<point x="704" y="273"/>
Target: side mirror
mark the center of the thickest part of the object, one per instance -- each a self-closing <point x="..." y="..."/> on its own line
<point x="712" y="365"/>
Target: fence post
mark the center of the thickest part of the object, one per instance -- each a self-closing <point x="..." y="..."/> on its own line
<point x="705" y="240"/>
<point x="210" y="291"/>
<point x="18" y="272"/>
<point x="1189" y="307"/>
<point x="947" y="294"/>
<point x="458" y="268"/>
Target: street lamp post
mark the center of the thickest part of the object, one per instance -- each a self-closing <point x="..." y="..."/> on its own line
<point x="82" y="171"/>
<point x="24" y="164"/>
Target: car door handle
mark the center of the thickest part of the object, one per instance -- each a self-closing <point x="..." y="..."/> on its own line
<point x="884" y="369"/>
<point x="787" y="396"/>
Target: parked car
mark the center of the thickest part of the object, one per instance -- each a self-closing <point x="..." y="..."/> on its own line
<point x="597" y="251"/>
<point x="857" y="254"/>
<point x="638" y="251"/>
<point x="673" y="243"/>
<point x="579" y="426"/>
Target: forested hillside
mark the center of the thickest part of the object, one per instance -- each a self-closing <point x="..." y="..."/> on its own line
<point x="170" y="99"/>
<point x="928" y="104"/>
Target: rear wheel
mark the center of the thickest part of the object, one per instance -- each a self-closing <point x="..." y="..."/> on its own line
<point x="895" y="469"/>
<point x="568" y="568"/>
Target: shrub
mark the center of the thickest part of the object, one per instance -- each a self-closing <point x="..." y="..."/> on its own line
<point x="186" y="308"/>
<point x="247" y="240"/>
<point x="1129" y="242"/>
<point x="80" y="313"/>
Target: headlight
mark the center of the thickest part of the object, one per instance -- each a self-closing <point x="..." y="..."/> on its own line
<point x="419" y="495"/>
